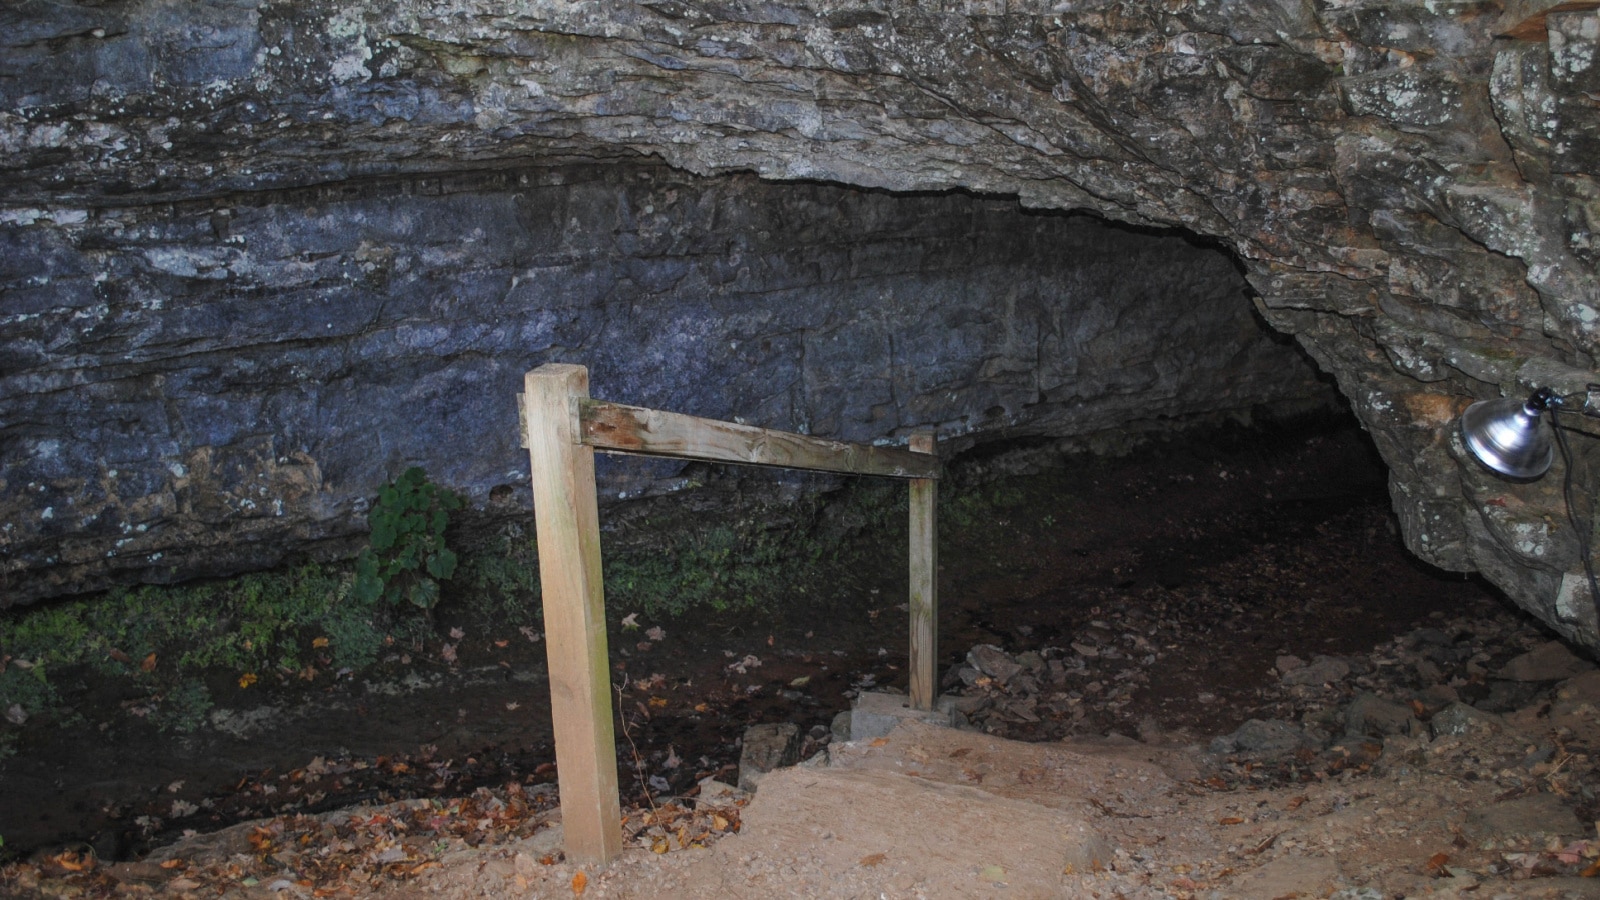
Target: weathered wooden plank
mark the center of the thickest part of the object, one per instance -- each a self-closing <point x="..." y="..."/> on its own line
<point x="568" y="526"/>
<point x="924" y="582"/>
<point x="651" y="432"/>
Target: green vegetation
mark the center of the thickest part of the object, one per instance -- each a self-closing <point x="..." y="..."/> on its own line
<point x="407" y="557"/>
<point x="966" y="506"/>
<point x="664" y="558"/>
<point x="499" y="582"/>
<point x="752" y="555"/>
<point x="165" y="637"/>
<point x="183" y="706"/>
<point x="716" y="569"/>
<point x="294" y="621"/>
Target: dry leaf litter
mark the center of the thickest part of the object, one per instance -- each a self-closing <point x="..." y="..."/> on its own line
<point x="1457" y="760"/>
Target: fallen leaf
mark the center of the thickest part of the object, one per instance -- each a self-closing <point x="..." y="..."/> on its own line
<point x="511" y="705"/>
<point x="1230" y="820"/>
<point x="1435" y="864"/>
<point x="878" y="742"/>
<point x="173" y="864"/>
<point x="501" y="643"/>
<point x="149" y="663"/>
<point x="319" y="643"/>
<point x="958" y="753"/>
<point x="457" y="634"/>
<point x="73" y="861"/>
<point x="874" y="860"/>
<point x="658" y="702"/>
<point x="630" y="621"/>
<point x="750" y="661"/>
<point x="1296" y="802"/>
<point x="655" y="633"/>
<point x="701" y="707"/>
<point x="580" y="882"/>
<point x="718" y="822"/>
<point x="992" y="873"/>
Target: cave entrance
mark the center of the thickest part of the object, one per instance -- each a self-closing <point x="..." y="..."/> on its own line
<point x="1146" y="588"/>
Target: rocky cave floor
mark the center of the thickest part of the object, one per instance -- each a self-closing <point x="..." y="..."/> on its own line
<point x="1231" y="679"/>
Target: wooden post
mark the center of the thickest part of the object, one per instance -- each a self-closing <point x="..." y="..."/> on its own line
<point x="568" y="526"/>
<point x="924" y="583"/>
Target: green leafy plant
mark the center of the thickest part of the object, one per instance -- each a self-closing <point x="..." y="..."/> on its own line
<point x="407" y="556"/>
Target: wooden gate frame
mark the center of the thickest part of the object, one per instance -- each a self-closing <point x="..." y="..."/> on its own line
<point x="562" y="427"/>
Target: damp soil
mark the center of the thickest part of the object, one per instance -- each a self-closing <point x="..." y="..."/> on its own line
<point x="1253" y="543"/>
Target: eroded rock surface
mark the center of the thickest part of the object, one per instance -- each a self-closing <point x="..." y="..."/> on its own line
<point x="1413" y="196"/>
<point x="202" y="389"/>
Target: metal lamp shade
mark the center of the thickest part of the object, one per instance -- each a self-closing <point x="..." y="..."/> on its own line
<point x="1508" y="435"/>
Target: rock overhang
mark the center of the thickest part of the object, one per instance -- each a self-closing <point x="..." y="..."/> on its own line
<point x="1411" y="193"/>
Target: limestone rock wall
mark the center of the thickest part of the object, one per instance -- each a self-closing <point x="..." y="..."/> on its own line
<point x="210" y="386"/>
<point x="1413" y="195"/>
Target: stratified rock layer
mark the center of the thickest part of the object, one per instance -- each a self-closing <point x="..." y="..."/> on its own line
<point x="208" y="387"/>
<point x="1413" y="197"/>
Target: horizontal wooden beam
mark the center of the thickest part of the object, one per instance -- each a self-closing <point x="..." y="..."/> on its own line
<point x="651" y="432"/>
